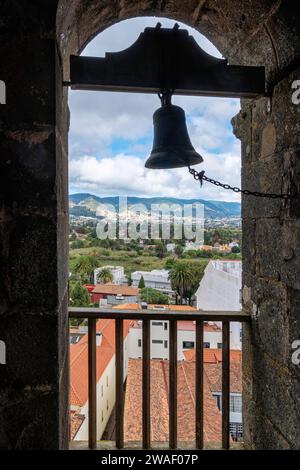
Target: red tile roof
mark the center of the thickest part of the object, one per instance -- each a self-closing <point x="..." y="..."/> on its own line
<point x="79" y="359"/>
<point x="115" y="289"/>
<point x="212" y="360"/>
<point x="214" y="376"/>
<point x="188" y="325"/>
<point x="213" y="355"/>
<point x="76" y="421"/>
<point x="89" y="287"/>
<point x="159" y="403"/>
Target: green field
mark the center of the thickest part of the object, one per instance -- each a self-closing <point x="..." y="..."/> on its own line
<point x="130" y="260"/>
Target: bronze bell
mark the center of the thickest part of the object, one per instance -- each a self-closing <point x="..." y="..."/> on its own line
<point x="172" y="147"/>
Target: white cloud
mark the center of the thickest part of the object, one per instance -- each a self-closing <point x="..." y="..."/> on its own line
<point x="99" y="119"/>
<point x="126" y="175"/>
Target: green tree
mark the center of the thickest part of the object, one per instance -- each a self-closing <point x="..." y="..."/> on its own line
<point x="197" y="273"/>
<point x="77" y="244"/>
<point x="105" y="276"/>
<point x="153" y="296"/>
<point x="79" y="296"/>
<point x="141" y="283"/>
<point x="181" y="277"/>
<point x="169" y="263"/>
<point x="84" y="267"/>
<point x="178" y="250"/>
<point x="160" y="250"/>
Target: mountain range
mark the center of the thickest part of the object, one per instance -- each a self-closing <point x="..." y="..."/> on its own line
<point x="85" y="204"/>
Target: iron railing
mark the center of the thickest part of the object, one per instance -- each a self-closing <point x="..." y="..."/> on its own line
<point x="93" y="314"/>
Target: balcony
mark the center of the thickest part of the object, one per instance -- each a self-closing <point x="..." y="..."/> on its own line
<point x="199" y="317"/>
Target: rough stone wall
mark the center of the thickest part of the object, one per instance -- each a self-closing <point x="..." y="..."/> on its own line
<point x="33" y="206"/>
<point x="270" y="131"/>
<point x="252" y="32"/>
<point x="33" y="231"/>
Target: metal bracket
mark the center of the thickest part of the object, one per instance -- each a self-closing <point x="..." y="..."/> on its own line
<point x="166" y="58"/>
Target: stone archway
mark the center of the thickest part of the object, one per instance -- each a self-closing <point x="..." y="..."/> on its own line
<point x="250" y="33"/>
<point x="36" y="40"/>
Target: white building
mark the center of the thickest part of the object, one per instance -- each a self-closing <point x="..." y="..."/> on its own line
<point x="191" y="246"/>
<point x="105" y="357"/>
<point x="116" y="271"/>
<point x="159" y="348"/>
<point x="220" y="289"/>
<point x="170" y="247"/>
<point x="156" y="279"/>
<point x="233" y="245"/>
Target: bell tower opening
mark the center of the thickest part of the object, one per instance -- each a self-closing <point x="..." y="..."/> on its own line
<point x="177" y="237"/>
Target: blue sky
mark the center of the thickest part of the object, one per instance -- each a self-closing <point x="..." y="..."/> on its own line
<point x="111" y="133"/>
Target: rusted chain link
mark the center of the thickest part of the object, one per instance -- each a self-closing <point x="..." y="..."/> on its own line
<point x="200" y="176"/>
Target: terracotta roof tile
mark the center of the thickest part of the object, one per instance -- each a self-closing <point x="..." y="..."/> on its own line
<point x="76" y="421"/>
<point x="212" y="360"/>
<point x="114" y="289"/>
<point x="159" y="404"/>
<point x="214" y="375"/>
<point x="79" y="359"/>
<point x="213" y="355"/>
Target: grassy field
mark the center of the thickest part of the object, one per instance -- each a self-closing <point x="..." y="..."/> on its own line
<point x="129" y="259"/>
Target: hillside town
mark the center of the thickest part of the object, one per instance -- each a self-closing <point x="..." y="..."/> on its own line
<point x="190" y="278"/>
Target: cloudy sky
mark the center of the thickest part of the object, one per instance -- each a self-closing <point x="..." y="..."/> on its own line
<point x="111" y="133"/>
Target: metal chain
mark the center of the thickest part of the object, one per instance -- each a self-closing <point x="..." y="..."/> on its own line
<point x="200" y="176"/>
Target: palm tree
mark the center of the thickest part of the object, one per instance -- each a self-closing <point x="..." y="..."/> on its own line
<point x="181" y="278"/>
<point x="85" y="266"/>
<point x="105" y="276"/>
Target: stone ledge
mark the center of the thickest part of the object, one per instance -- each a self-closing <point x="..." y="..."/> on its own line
<point x="110" y="445"/>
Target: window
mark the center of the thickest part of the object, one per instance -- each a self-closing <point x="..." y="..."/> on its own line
<point x="102" y="417"/>
<point x="188" y="344"/>
<point x="107" y="406"/>
<point x="236" y="403"/>
<point x="157" y="323"/>
<point x="101" y="390"/>
<point x="219" y="345"/>
<point x="165" y="326"/>
<point x="218" y="398"/>
<point x="166" y="344"/>
<point x="157" y="341"/>
<point x="236" y="431"/>
<point x="107" y="380"/>
<point x="206" y="345"/>
<point x="139" y="343"/>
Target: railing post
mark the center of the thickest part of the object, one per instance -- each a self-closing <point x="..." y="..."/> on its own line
<point x="146" y="385"/>
<point x="119" y="385"/>
<point x="92" y="383"/>
<point x="173" y="385"/>
<point x="199" y="384"/>
<point x="225" y="384"/>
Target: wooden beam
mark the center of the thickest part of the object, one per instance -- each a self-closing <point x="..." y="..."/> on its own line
<point x="225" y="384"/>
<point x="199" y="385"/>
<point x="166" y="58"/>
<point x="119" y="385"/>
<point x="146" y="385"/>
<point x="173" y="385"/>
<point x="139" y="314"/>
<point x="92" y="383"/>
